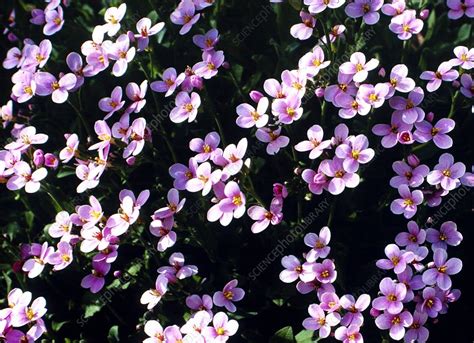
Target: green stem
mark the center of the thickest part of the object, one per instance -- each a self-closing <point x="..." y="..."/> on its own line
<point x="453" y="104"/>
<point x="81" y="117"/>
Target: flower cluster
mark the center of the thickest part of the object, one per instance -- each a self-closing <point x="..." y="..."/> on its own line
<point x="21" y="311"/>
<point x="320" y="276"/>
<point x="186" y="13"/>
<point x="421" y="289"/>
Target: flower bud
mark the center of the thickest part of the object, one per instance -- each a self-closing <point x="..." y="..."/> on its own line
<point x="424" y="14"/>
<point x="51" y="161"/>
<point x="256" y="96"/>
<point x="38" y="158"/>
<point x="319" y="92"/>
<point x="413" y="161"/>
<point x="456" y="84"/>
<point x="382" y="72"/>
<point x="430" y="117"/>
<point x="280" y="190"/>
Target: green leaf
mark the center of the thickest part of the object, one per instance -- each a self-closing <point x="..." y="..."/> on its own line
<point x="431" y="25"/>
<point x="91" y="310"/>
<point x="296" y="4"/>
<point x="56" y="326"/>
<point x="306" y="336"/>
<point x="113" y="335"/>
<point x="29" y="218"/>
<point x="284" y="335"/>
<point x="463" y="34"/>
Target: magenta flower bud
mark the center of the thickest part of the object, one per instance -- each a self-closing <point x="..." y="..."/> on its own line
<point x="319" y="92"/>
<point x="226" y="65"/>
<point x="430" y="117"/>
<point x="38" y="158"/>
<point x="280" y="190"/>
<point x="256" y="95"/>
<point x="16" y="266"/>
<point x="51" y="161"/>
<point x="131" y="36"/>
<point x="413" y="161"/>
<point x="382" y="72"/>
<point x="117" y="274"/>
<point x="197" y="82"/>
<point x="148" y="136"/>
<point x="456" y="84"/>
<point x="130" y="160"/>
<point x="375" y="313"/>
<point x="12" y="37"/>
<point x="424" y="14"/>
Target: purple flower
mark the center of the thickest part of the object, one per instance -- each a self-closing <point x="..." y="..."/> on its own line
<point x="344" y="86"/>
<point x="164" y="230"/>
<point x="228" y="296"/>
<point x="112" y="17"/>
<point x="407" y="175"/>
<point x="136" y="94"/>
<point x="319" y="321"/>
<point x="35" y="265"/>
<point x="37" y="56"/>
<point x="417" y="332"/>
<point x="145" y="30"/>
<point x="367" y="9"/>
<point x="304" y="30"/>
<point x="182" y="174"/>
<point x="349" y="334"/>
<point x="406" y="24"/>
<point x="294" y="270"/>
<point x="464" y="57"/>
<point x="13" y="59"/>
<point x="373" y="95"/>
<point x="212" y="60"/>
<point x="207" y="41"/>
<point x="411" y="282"/>
<point x="358" y="68"/>
<point x="197" y="303"/>
<point x="340" y="178"/>
<point x="325" y="271"/>
<point x="397" y="259"/>
<point x="47" y="84"/>
<point x="113" y="103"/>
<point x="448" y="234"/>
<point x="174" y="206"/>
<point x="122" y="53"/>
<point x="317" y="6"/>
<point x="273" y="138"/>
<point x="446" y="173"/>
<point x="393" y="296"/>
<point x="330" y="302"/>
<point x="467" y="85"/>
<point x="185" y="15"/>
<point x="54" y="21"/>
<point x="204" y="180"/>
<point x="24" y="177"/>
<point x="318" y="243"/>
<point x="444" y="73"/>
<point x="249" y="116"/>
<point x="399" y="80"/>
<point x="395" y="322"/>
<point x="457" y="8"/>
<point x="263" y="217"/>
<point x="354" y="309"/>
<point x="177" y="269"/>
<point x="170" y="81"/>
<point x="64" y="256"/>
<point x="316" y="181"/>
<point x="429" y="303"/>
<point x="425" y="131"/>
<point x="413" y="238"/>
<point x="205" y="148"/>
<point x="315" y="143"/>
<point x="24" y="87"/>
<point x="395" y="8"/>
<point x="408" y="108"/>
<point x="186" y="107"/>
<point x="231" y="206"/>
<point x="442" y="269"/>
<point x="152" y="297"/>
<point x="37" y="17"/>
<point x="408" y="202"/>
<point x="357" y="151"/>
<point x="22" y="315"/>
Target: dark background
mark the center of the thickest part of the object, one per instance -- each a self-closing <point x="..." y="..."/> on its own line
<point x="361" y="221"/>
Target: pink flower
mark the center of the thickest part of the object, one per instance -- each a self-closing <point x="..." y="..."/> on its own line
<point x="316" y="181"/>
<point x="177" y="269"/>
<point x="392" y="132"/>
<point x="263" y="217"/>
<point x="273" y="138"/>
<point x="145" y="30"/>
<point x="395" y="8"/>
<point x="205" y="148"/>
<point x="464" y="58"/>
<point x="231" y="206"/>
<point x="222" y="328"/>
<point x="42" y="256"/>
<point x="304" y="30"/>
<point x="315" y="143"/>
<point x="294" y="270"/>
<point x="373" y="95"/>
<point x="312" y="62"/>
<point x="406" y="24"/>
<point x="444" y="73"/>
<point x="441" y="270"/>
<point x="24" y="87"/>
<point x="318" y="243"/>
<point x="230" y="294"/>
<point x="113" y="103"/>
<point x="94" y="238"/>
<point x="54" y="21"/>
<point x="27" y="137"/>
<point x="249" y="116"/>
<point x="65" y="256"/>
<point x="317" y="6"/>
<point x="349" y="334"/>
<point x="197" y="303"/>
<point x="186" y="107"/>
<point x="287" y="110"/>
<point x="341" y="178"/>
<point x="357" y="67"/>
<point x="367" y="9"/>
<point x="204" y="180"/>
<point x="395" y="322"/>
<point x="408" y="202"/>
<point x="170" y="81"/>
<point x="425" y="131"/>
<point x="354" y="309"/>
<point x="399" y="80"/>
<point x="232" y="158"/>
<point x="122" y="53"/>
<point x="136" y="132"/>
<point x="174" y="206"/>
<point x="24" y="177"/>
<point x="47" y="84"/>
<point x="89" y="175"/>
<point x="137" y="95"/>
<point x="319" y="321"/>
<point x="112" y="17"/>
<point x="62" y="226"/>
<point x="467" y="86"/>
<point x="446" y="173"/>
<point x="208" y="68"/>
<point x="154" y="330"/>
<point x="182" y="174"/>
<point x="408" y="108"/>
<point x="22" y="315"/>
<point x="153" y="296"/>
<point x="164" y="230"/>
